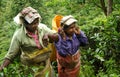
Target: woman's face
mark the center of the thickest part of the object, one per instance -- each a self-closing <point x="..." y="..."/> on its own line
<point x="33" y="26"/>
<point x="70" y="30"/>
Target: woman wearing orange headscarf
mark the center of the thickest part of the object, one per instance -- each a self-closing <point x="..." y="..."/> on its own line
<point x="67" y="43"/>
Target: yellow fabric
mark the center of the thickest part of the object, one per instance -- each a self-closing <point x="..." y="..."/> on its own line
<point x="53" y="54"/>
<point x="56" y="22"/>
<point x="37" y="56"/>
<point x="38" y="52"/>
<point x="55" y="26"/>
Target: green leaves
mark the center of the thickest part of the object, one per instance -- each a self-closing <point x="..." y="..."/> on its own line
<point x="101" y="55"/>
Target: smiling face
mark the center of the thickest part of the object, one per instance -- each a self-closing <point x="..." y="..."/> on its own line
<point x="70" y="30"/>
<point x="33" y="26"/>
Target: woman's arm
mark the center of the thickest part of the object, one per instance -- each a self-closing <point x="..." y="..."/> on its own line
<point x="53" y="37"/>
<point x="50" y="38"/>
<point x="5" y="64"/>
<point x="12" y="52"/>
<point x="81" y="36"/>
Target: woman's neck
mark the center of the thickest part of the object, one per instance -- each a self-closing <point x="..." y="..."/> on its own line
<point x="33" y="32"/>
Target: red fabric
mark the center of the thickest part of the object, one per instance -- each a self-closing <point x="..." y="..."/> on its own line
<point x="35" y="37"/>
<point x="69" y="66"/>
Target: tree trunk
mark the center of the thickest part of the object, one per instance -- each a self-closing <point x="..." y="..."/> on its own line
<point x="109" y="8"/>
<point x="104" y="8"/>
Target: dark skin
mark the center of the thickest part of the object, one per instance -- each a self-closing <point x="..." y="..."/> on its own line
<point x="31" y="28"/>
<point x="65" y="32"/>
<point x="52" y="37"/>
<point x="5" y="63"/>
<point x="71" y="30"/>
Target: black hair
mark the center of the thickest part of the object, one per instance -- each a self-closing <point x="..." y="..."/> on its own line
<point x="25" y="23"/>
<point x="65" y="27"/>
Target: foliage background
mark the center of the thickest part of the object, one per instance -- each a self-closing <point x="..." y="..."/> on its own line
<point x="99" y="59"/>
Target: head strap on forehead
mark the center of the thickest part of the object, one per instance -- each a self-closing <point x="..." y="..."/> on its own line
<point x="29" y="14"/>
<point x="27" y="10"/>
<point x="66" y="20"/>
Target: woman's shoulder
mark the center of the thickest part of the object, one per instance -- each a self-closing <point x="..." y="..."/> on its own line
<point x="19" y="32"/>
<point x="41" y="25"/>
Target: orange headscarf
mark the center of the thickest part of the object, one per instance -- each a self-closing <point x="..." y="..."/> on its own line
<point x="56" y="22"/>
<point x="55" y="26"/>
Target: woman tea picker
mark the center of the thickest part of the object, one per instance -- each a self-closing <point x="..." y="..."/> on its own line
<point x="31" y="42"/>
<point x="67" y="44"/>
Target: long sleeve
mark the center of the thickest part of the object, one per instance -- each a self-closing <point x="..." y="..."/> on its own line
<point x="14" y="48"/>
<point x="82" y="38"/>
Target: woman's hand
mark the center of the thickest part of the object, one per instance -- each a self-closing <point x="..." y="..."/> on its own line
<point x="62" y="33"/>
<point x="45" y="40"/>
<point x="77" y="30"/>
<point x="1" y="68"/>
<point x="5" y="64"/>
